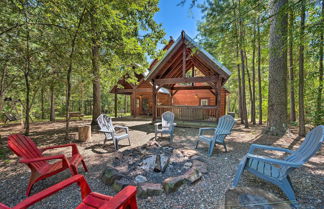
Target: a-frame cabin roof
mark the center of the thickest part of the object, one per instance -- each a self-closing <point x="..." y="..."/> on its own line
<point x="170" y="65"/>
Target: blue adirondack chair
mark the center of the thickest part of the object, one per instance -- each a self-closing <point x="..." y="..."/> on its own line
<point x="224" y="127"/>
<point x="277" y="171"/>
<point x="167" y="125"/>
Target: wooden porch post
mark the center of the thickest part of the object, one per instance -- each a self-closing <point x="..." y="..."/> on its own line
<point x="183" y="55"/>
<point x="218" y="91"/>
<point x="116" y="104"/>
<point x="154" y="101"/>
<point x="135" y="105"/>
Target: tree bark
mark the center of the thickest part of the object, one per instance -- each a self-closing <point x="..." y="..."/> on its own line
<point x="42" y="103"/>
<point x="277" y="102"/>
<point x="259" y="74"/>
<point x="245" y="117"/>
<point x="27" y="109"/>
<point x="238" y="69"/>
<point x="291" y="68"/>
<point x="26" y="76"/>
<point x="319" y="117"/>
<point x="68" y="75"/>
<point x="249" y="82"/>
<point x="301" y="108"/>
<point x="240" y="86"/>
<point x="52" y="101"/>
<point x="244" y="110"/>
<point x="96" y="72"/>
<point x="253" y="78"/>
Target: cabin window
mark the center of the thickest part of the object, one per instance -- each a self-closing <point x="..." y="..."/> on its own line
<point x="204" y="102"/>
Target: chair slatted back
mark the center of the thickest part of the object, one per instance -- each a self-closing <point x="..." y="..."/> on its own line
<point x="306" y="150"/>
<point x="225" y="124"/>
<point x="25" y="148"/>
<point x="105" y="123"/>
<point x="309" y="147"/>
<point x="10" y="117"/>
<point x="167" y="119"/>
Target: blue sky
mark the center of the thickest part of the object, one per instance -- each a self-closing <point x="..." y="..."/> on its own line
<point x="175" y="18"/>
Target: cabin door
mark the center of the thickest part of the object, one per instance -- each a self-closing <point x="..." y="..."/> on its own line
<point x="145" y="106"/>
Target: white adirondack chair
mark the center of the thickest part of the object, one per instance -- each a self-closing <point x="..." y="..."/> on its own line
<point x="109" y="130"/>
<point x="167" y="125"/>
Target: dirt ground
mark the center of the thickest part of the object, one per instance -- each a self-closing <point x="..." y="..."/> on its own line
<point x="209" y="192"/>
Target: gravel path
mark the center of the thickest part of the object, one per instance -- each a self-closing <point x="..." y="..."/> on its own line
<point x="207" y="193"/>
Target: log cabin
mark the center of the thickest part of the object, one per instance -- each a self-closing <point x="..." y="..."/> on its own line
<point x="187" y="81"/>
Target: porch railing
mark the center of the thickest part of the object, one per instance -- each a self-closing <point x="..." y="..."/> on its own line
<point x="200" y="113"/>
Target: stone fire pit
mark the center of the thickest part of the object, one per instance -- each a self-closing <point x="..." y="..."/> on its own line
<point x="154" y="169"/>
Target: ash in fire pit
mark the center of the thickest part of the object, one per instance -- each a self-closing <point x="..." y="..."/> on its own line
<point x="152" y="167"/>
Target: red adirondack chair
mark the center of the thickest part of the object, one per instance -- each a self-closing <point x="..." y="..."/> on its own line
<point x="27" y="150"/>
<point x="125" y="199"/>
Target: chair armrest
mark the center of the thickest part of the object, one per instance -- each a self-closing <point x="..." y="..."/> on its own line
<point x="105" y="131"/>
<point x="204" y="129"/>
<point x="125" y="196"/>
<point x="273" y="161"/>
<point x="265" y="147"/>
<point x="85" y="190"/>
<point x="33" y="160"/>
<point x="157" y="124"/>
<point x="122" y="127"/>
<point x="224" y="133"/>
<point x="74" y="148"/>
<point x="3" y="206"/>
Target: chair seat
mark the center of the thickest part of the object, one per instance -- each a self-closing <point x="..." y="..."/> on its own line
<point x="93" y="200"/>
<point x="263" y="168"/>
<point x="50" y="168"/>
<point x="122" y="136"/>
<point x="163" y="130"/>
<point x="209" y="139"/>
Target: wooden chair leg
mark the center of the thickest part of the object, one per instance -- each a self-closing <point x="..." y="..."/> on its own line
<point x="155" y="135"/>
<point x="129" y="141"/>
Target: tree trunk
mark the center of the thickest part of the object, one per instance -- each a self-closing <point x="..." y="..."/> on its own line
<point x="68" y="76"/>
<point x="277" y="102"/>
<point x="249" y="82"/>
<point x="52" y="100"/>
<point x="301" y="108"/>
<point x="239" y="87"/>
<point x="241" y="42"/>
<point x="253" y="78"/>
<point x="68" y="94"/>
<point x="319" y="111"/>
<point x="238" y="69"/>
<point x="42" y="103"/>
<point x="291" y="68"/>
<point x="245" y="117"/>
<point x="96" y="73"/>
<point x="259" y="74"/>
<point x="27" y="110"/>
<point x="26" y="75"/>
